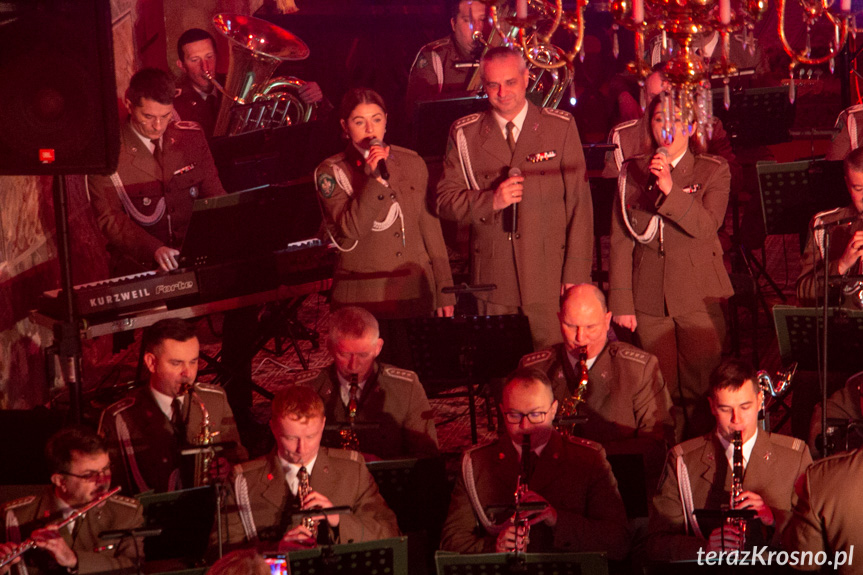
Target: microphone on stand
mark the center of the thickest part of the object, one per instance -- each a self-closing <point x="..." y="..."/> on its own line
<point x="382" y="165"/>
<point x="653" y="178"/>
<point x="513" y="172"/>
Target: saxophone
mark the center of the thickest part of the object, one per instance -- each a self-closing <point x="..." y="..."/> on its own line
<point x="349" y="434"/>
<point x="519" y="519"/>
<point x="569" y="406"/>
<point x="303" y="490"/>
<point x="203" y="439"/>
<point x="737" y="485"/>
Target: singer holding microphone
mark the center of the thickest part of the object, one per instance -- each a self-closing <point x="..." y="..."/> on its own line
<point x="667" y="276"/>
<point x="393" y="260"/>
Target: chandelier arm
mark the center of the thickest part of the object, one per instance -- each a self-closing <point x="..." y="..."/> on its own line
<point x="798" y="57"/>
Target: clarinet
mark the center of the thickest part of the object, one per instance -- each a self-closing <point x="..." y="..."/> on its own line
<point x="737" y="485"/>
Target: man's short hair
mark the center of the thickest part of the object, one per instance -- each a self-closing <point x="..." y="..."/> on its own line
<point x="297" y="402"/>
<point x="732" y="374"/>
<point x="352" y="322"/>
<point x="153" y="84"/>
<point x="595" y="291"/>
<point x="527" y="376"/>
<point x="192" y="35"/>
<point x="241" y="562"/>
<point x="499" y="53"/>
<point x="854" y="161"/>
<point x="58" y="450"/>
<point x="173" y="328"/>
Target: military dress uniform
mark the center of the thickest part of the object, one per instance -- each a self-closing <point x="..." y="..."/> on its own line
<point x="263" y="503"/>
<point x="145" y="451"/>
<point x="433" y="73"/>
<point x="572" y="474"/>
<point x="844" y="404"/>
<point x="810" y="284"/>
<point x="828" y="511"/>
<point x="191" y="106"/>
<point x="393" y="398"/>
<point x="393" y="260"/>
<point x="23" y="516"/>
<point x="775" y="463"/>
<point x="145" y="205"/>
<point x="666" y="268"/>
<point x="847" y="134"/>
<point x="554" y="241"/>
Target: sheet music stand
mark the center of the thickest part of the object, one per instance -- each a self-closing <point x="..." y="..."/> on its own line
<point x="602" y="190"/>
<point x="433" y="118"/>
<point x="798" y="333"/>
<point x="186" y="519"/>
<point x="368" y="558"/>
<point x="757" y="116"/>
<point x="533" y="563"/>
<point x="451" y="352"/>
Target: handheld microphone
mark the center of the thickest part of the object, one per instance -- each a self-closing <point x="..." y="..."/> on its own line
<point x="652" y="178"/>
<point x="513" y="172"/>
<point x="382" y="165"/>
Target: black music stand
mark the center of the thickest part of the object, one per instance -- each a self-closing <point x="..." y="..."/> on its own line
<point x="526" y="563"/>
<point x="602" y="191"/>
<point x="433" y="118"/>
<point x="757" y="116"/>
<point x="186" y="519"/>
<point x="415" y="489"/>
<point x="371" y="557"/>
<point x="842" y="435"/>
<point x="451" y="352"/>
<point x="798" y="332"/>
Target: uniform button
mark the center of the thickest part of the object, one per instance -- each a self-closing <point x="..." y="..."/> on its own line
<point x="397" y="234"/>
<point x="482" y="220"/>
<point x="542" y="172"/>
<point x="517" y="236"/>
<point x="381" y="196"/>
<point x="392" y="196"/>
<point x="398" y="254"/>
<point x="476" y="250"/>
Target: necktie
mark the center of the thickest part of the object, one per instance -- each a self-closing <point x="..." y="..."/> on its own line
<point x="510" y="136"/>
<point x="177" y="420"/>
<point x="157" y="150"/>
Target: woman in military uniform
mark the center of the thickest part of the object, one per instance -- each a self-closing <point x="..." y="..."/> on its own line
<point x="667" y="276"/>
<point x="392" y="260"/>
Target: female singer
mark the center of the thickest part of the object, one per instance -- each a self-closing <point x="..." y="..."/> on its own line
<point x="666" y="275"/>
<point x="393" y="260"/>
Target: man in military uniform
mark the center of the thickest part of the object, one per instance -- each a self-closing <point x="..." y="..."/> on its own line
<point x="147" y="430"/>
<point x="144" y="208"/>
<point x="267" y="491"/>
<point x="827" y="514"/>
<point x="846" y="242"/>
<point x="584" y="511"/>
<point x="625" y="399"/>
<point x="391" y="400"/>
<point x="847" y="133"/>
<point x="81" y="474"/>
<point x="434" y="72"/>
<point x="698" y="475"/>
<point x="844" y="404"/>
<point x="516" y="154"/>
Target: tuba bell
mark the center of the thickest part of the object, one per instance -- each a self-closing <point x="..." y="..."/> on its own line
<point x="252" y="99"/>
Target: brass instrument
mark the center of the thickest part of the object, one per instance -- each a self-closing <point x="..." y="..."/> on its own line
<point x="303" y="490"/>
<point x="349" y="434"/>
<point x="204" y="458"/>
<point x="854" y="291"/>
<point x="737" y="485"/>
<point x="257" y="49"/>
<point x="569" y="406"/>
<point x="30" y="543"/>
<point x="520" y="520"/>
<point x="774" y="391"/>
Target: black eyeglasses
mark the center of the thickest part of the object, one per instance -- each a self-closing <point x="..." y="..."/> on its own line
<point x="91" y="476"/>
<point x="534" y="417"/>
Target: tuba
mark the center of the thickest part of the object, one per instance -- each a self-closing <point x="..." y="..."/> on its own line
<point x="252" y="99"/>
<point x="569" y="406"/>
<point x="737" y="485"/>
<point x="204" y="458"/>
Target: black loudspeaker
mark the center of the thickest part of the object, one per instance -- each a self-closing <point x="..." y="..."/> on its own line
<point x="58" y="96"/>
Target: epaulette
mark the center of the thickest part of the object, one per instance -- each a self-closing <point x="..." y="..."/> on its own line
<point x="852" y="110"/>
<point x="584" y="442"/>
<point x="462" y="122"/>
<point x="16" y="503"/>
<point x="125" y="501"/>
<point x="306" y="376"/>
<point x="188" y="125"/>
<point x="403" y="374"/>
<point x="788" y="441"/>
<point x="347" y="454"/>
<point x="439" y="43"/>
<point x="690" y="444"/>
<point x="825" y="213"/>
<point x="712" y="158"/>
<point x="209" y="387"/>
<point x="404" y="150"/>
<point x="560" y="114"/>
<point x="535" y="357"/>
<point x="247" y="466"/>
<point x="634" y="354"/>
<point x="625" y="125"/>
<point x="120" y="406"/>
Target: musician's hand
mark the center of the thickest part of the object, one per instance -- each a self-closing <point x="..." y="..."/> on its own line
<point x="510" y="191"/>
<point x="660" y="167"/>
<point x="218" y="470"/>
<point x="297" y="538"/>
<point x="445" y="311"/>
<point x="310" y="93"/>
<point x="50" y="539"/>
<point x="376" y="154"/>
<point x="316" y="500"/>
<point x="627" y="321"/>
<point x="548" y="515"/>
<point x="731" y="536"/>
<point x="564" y="287"/>
<point x="166" y="258"/>
<point x="751" y="500"/>
<point x="852" y="253"/>
<point x="6" y="549"/>
<point x="507" y="540"/>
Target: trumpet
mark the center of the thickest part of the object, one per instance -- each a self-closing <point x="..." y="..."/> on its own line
<point x="737" y="485"/>
<point x="569" y="406"/>
<point x="30" y="543"/>
<point x="349" y="434"/>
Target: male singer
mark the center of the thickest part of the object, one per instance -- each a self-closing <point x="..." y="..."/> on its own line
<point x="516" y="174"/>
<point x="698" y="475"/>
